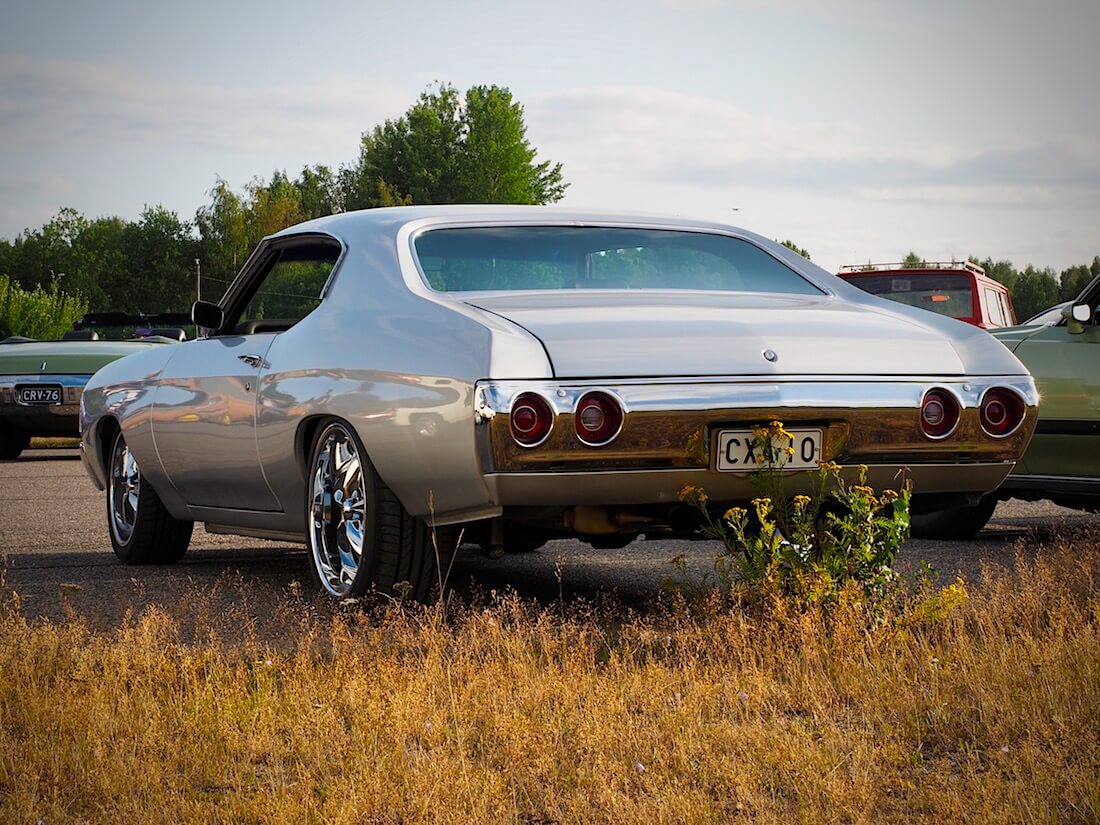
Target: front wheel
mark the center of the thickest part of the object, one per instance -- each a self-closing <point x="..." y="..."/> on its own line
<point x="956" y="523"/>
<point x="142" y="530"/>
<point x="360" y="535"/>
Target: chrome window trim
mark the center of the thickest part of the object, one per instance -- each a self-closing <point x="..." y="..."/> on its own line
<point x="253" y="265"/>
<point x="410" y="262"/>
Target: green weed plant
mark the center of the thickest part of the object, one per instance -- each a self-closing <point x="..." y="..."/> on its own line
<point x="817" y="549"/>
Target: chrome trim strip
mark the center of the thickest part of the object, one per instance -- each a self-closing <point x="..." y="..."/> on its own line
<point x="417" y="281"/>
<point x="672" y="425"/>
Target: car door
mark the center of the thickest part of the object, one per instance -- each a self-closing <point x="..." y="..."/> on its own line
<point x="1066" y="367"/>
<point x="206" y="403"/>
<point x="204" y="422"/>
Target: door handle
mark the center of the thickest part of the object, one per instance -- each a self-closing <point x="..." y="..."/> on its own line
<point x="251" y="360"/>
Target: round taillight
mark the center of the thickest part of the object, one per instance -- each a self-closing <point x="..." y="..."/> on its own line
<point x="531" y="419"/>
<point x="939" y="413"/>
<point x="1002" y="411"/>
<point x="598" y="420"/>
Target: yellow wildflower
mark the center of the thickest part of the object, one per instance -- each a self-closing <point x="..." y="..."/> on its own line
<point x="735" y="514"/>
<point x="801" y="501"/>
<point x="763" y="507"/>
<point x="692" y="494"/>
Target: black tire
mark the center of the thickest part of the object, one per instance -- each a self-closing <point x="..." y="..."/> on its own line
<point x="396" y="554"/>
<point x="145" y="532"/>
<point x="956" y="523"/>
<point x="12" y="443"/>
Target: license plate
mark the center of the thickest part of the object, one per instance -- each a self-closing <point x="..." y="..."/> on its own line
<point x="737" y="452"/>
<point x="46" y="394"/>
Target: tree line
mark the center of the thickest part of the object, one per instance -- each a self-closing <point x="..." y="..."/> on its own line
<point x="448" y="147"/>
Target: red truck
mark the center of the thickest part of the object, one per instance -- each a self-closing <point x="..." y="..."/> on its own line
<point x="960" y="289"/>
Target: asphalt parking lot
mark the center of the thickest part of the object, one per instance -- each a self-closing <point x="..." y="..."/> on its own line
<point x="58" y="560"/>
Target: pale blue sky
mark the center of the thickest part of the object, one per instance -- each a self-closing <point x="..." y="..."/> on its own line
<point x="859" y="129"/>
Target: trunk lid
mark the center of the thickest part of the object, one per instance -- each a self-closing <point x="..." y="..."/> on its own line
<point x="589" y="335"/>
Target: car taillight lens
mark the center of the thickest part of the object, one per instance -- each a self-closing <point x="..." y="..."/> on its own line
<point x="1002" y="411"/>
<point x="531" y="419"/>
<point x="939" y="413"/>
<point x="598" y="420"/>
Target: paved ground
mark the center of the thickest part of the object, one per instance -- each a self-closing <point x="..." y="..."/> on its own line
<point x="59" y="560"/>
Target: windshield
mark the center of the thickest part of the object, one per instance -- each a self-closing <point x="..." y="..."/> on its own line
<point x="513" y="258"/>
<point x="949" y="295"/>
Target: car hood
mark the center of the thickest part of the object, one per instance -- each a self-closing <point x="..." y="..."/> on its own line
<point x="589" y="335"/>
<point x="65" y="357"/>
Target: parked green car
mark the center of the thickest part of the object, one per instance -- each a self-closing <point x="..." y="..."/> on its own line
<point x="1062" y="463"/>
<point x="41" y="381"/>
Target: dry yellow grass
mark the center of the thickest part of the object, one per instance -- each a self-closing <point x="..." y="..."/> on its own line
<point x="511" y="712"/>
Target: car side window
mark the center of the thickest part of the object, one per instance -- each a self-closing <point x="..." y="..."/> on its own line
<point x="288" y="289"/>
<point x="994" y="308"/>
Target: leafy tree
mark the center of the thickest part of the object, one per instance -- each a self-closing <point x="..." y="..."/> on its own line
<point x="1034" y="291"/>
<point x="318" y="192"/>
<point x="41" y="313"/>
<point x="450" y="149"/>
<point x="791" y="245"/>
<point x="159" y="250"/>
<point x="497" y="164"/>
<point x="913" y="261"/>
<point x="224" y="236"/>
<point x="1076" y="278"/>
<point x="272" y="207"/>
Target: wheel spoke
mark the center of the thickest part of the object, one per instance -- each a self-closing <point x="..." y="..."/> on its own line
<point x="337" y="511"/>
<point x="124" y="494"/>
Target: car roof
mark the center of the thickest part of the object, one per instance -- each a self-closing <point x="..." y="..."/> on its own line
<point x="396" y="216"/>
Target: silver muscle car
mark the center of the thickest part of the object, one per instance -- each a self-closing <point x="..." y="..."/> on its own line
<point x="527" y="372"/>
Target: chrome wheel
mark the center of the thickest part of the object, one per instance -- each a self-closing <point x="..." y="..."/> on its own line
<point x="124" y="491"/>
<point x="338" y="510"/>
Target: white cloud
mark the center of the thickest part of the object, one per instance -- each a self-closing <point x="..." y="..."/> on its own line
<point x="641" y="134"/>
<point x="67" y="103"/>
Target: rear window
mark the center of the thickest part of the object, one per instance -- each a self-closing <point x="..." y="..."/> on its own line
<point x="949" y="295"/>
<point x="548" y="257"/>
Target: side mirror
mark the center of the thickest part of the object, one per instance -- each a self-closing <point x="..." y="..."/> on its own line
<point x="207" y="315"/>
<point x="1082" y="313"/>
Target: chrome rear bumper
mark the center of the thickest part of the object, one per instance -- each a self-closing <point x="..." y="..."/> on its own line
<point x="670" y="431"/>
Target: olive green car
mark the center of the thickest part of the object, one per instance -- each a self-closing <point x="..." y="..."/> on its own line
<point x="41" y="381"/>
<point x="1062" y="462"/>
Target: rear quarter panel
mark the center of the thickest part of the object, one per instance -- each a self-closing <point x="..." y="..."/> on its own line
<point x="398" y="366"/>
